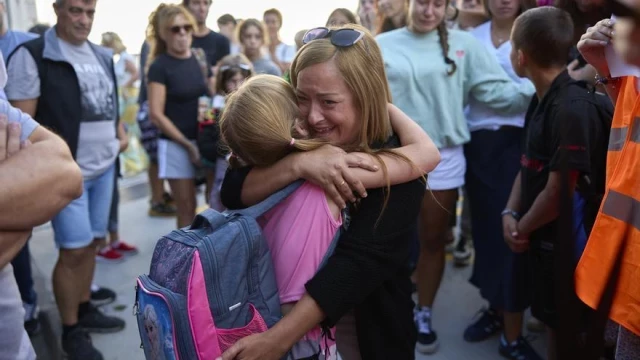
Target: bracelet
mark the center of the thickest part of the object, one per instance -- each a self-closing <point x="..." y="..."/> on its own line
<point x="511" y="213"/>
<point x="607" y="80"/>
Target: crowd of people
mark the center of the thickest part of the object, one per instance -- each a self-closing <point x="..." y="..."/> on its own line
<point x="396" y="113"/>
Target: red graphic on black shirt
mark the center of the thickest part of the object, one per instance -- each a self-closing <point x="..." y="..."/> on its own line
<point x="531" y="164"/>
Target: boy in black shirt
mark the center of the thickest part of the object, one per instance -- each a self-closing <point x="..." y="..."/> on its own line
<point x="215" y="46"/>
<point x="563" y="128"/>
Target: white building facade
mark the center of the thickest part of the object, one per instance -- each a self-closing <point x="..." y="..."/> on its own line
<point x="21" y="14"/>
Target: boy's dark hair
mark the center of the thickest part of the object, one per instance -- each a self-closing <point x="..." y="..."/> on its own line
<point x="39" y="29"/>
<point x="545" y="34"/>
<point x="227" y="18"/>
<point x="275" y="12"/>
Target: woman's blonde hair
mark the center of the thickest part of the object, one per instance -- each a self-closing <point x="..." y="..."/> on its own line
<point x="362" y="69"/>
<point x="228" y="67"/>
<point x="258" y="122"/>
<point x="159" y="21"/>
<point x="113" y="41"/>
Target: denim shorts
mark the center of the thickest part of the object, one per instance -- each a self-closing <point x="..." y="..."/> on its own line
<point x="86" y="217"/>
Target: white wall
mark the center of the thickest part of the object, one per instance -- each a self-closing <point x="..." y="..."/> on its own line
<point x="129" y="18"/>
<point x="21" y="14"/>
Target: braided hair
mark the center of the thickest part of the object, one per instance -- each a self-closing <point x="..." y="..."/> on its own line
<point x="443" y="34"/>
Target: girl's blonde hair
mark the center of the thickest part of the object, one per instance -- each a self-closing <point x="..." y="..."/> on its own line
<point x="113" y="41"/>
<point x="159" y="21"/>
<point x="258" y="122"/>
<point x="228" y="67"/>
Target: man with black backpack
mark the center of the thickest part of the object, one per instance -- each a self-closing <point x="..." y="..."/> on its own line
<point x="565" y="130"/>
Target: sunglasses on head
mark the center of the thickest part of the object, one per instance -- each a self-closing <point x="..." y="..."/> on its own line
<point x="339" y="38"/>
<point x="176" y="29"/>
<point x="238" y="66"/>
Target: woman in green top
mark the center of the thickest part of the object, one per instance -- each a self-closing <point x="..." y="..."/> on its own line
<point x="432" y="73"/>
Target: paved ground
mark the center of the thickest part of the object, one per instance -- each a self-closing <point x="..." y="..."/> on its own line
<point x="456" y="304"/>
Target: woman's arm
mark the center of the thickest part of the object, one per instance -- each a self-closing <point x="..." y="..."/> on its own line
<point x="417" y="147"/>
<point x="130" y="67"/>
<point x="275" y="342"/>
<point x="328" y="167"/>
<point x="338" y="173"/>
<point x="123" y="138"/>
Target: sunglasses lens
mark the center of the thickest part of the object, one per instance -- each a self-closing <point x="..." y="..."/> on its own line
<point x="313" y="34"/>
<point x="176" y="29"/>
<point x="345" y="37"/>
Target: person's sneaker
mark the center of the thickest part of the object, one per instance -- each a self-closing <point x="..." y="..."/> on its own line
<point x="77" y="346"/>
<point x="31" y="318"/>
<point x="462" y="253"/>
<point x="535" y="325"/>
<point x="162" y="210"/>
<point x="109" y="255"/>
<point x="102" y="296"/>
<point x="124" y="248"/>
<point x="96" y="322"/>
<point x="489" y="323"/>
<point x="518" y="350"/>
<point x="168" y="199"/>
<point x="427" y="338"/>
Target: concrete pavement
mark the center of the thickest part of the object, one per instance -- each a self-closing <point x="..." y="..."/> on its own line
<point x="455" y="307"/>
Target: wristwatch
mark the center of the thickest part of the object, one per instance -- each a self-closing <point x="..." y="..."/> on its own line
<point x="513" y="213"/>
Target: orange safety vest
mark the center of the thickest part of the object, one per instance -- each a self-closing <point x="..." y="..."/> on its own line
<point x="619" y="216"/>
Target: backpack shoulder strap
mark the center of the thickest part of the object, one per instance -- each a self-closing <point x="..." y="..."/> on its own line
<point x="346" y="219"/>
<point x="259" y="209"/>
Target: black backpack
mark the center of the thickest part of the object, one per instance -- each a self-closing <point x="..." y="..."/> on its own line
<point x="592" y="187"/>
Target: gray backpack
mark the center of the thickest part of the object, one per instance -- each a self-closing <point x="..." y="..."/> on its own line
<point x="210" y="285"/>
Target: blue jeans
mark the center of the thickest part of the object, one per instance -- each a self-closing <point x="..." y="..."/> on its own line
<point x="86" y="218"/>
<point x="22" y="271"/>
<point x="115" y="203"/>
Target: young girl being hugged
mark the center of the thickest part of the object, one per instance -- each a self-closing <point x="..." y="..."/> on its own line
<point x="261" y="124"/>
<point x="233" y="70"/>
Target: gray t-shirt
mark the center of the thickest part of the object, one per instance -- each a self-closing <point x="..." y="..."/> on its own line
<point x="266" y="66"/>
<point x="97" y="142"/>
<point x="14" y="341"/>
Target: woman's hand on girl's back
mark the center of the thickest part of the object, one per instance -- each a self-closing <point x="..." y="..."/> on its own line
<point x="328" y="168"/>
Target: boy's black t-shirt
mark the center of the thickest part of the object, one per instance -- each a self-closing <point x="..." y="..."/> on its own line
<point x="214" y="45"/>
<point x="185" y="84"/>
<point x="567" y="118"/>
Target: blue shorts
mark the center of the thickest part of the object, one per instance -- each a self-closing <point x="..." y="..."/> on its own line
<point x="86" y="217"/>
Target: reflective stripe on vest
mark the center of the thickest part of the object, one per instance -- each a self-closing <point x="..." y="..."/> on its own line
<point x="619" y="218"/>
